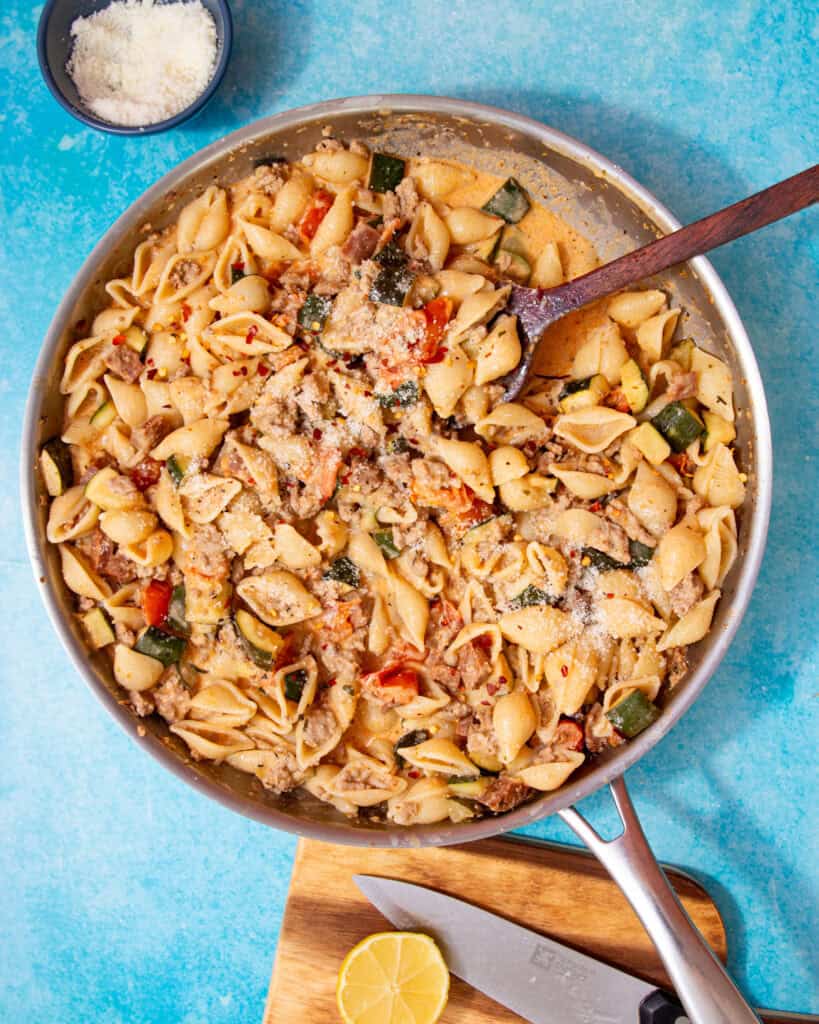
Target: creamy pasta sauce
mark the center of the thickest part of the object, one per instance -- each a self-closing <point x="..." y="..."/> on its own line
<point x="297" y="513"/>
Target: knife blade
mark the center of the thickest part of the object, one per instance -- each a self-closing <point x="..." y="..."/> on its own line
<point x="540" y="979"/>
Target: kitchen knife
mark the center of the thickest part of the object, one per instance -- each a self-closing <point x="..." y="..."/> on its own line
<point x="542" y="980"/>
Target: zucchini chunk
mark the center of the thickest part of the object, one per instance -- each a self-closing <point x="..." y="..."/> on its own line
<point x="386" y="172"/>
<point x="634" y="713"/>
<point x="718" y="430"/>
<point x="513" y="265"/>
<point x="650" y="442"/>
<point x="384" y="539"/>
<point x="682" y="352"/>
<point x="104" y="416"/>
<point x="678" y="425"/>
<point x="579" y="394"/>
<point x="509" y="202"/>
<point x="261" y="642"/>
<point x="294" y="683"/>
<point x="344" y="570"/>
<point x="313" y="314"/>
<point x="55" y="465"/>
<point x="177" y="467"/>
<point x="634" y="387"/>
<point x="391" y="286"/>
<point x="641" y="554"/>
<point x="156" y="643"/>
<point x="99" y="628"/>
<point x="175" y="619"/>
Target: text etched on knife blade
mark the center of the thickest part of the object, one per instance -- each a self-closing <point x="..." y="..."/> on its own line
<point x="575" y="982"/>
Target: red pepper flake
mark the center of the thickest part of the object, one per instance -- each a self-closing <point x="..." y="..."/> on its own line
<point x="368" y="394"/>
<point x="151" y="374"/>
<point x="235" y="373"/>
<point x="329" y="683"/>
<point x="502" y="680"/>
<point x="186" y="312"/>
<point x="564" y="670"/>
<point x="595" y="506"/>
<point x="251" y="334"/>
<point x="414" y="773"/>
<point x="149" y="361"/>
<point x="572" y="554"/>
<point x="118" y="339"/>
<point x="243" y="371"/>
<point x="359" y="453"/>
<point x="492" y="689"/>
<point x="609" y="596"/>
<point x="317" y="434"/>
<point x="238" y="265"/>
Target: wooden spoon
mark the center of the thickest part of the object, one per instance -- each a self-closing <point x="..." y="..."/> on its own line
<point x="538" y="308"/>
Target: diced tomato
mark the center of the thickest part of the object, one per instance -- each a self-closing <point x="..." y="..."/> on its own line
<point x="683" y="463"/>
<point x="156" y="598"/>
<point x="436" y="316"/>
<point x="393" y="685"/>
<point x="616" y="399"/>
<point x="406" y="678"/>
<point x="316" y="212"/>
<point x="146" y="473"/>
<point x="569" y="734"/>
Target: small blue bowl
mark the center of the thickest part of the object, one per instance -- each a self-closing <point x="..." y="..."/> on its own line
<point x="54" y="50"/>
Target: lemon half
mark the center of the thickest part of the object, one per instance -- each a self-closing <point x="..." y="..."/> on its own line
<point x="393" y="978"/>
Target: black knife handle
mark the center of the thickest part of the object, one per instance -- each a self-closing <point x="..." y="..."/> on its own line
<point x="661" y="1008"/>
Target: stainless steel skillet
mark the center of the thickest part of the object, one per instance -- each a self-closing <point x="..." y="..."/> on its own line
<point x="603" y="203"/>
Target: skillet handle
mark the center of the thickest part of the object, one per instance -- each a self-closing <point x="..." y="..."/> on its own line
<point x="701" y="982"/>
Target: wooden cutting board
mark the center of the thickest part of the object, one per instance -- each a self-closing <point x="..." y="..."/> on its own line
<point x="559" y="891"/>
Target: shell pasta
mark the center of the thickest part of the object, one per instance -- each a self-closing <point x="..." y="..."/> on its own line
<point x="296" y="512"/>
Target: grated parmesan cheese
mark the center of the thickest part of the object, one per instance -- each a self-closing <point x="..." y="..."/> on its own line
<point x="137" y="62"/>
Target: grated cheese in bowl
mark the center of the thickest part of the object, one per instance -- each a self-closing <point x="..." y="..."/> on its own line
<point x="137" y="62"/>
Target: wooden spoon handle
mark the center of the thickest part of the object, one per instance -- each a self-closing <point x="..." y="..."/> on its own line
<point x="747" y="215"/>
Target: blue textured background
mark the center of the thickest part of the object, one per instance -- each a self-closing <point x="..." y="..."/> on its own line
<point x="125" y="897"/>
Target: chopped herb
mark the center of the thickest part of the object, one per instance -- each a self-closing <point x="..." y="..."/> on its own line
<point x="294" y="683"/>
<point x="313" y="314"/>
<point x="344" y="570"/>
<point x="641" y="554"/>
<point x="405" y="394"/>
<point x="600" y="560"/>
<point x="176" y="466"/>
<point x="349" y="689"/>
<point x="532" y="595"/>
<point x="383" y="538"/>
<point x="397" y="445"/>
<point x="236" y="273"/>
<point x="411" y="739"/>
